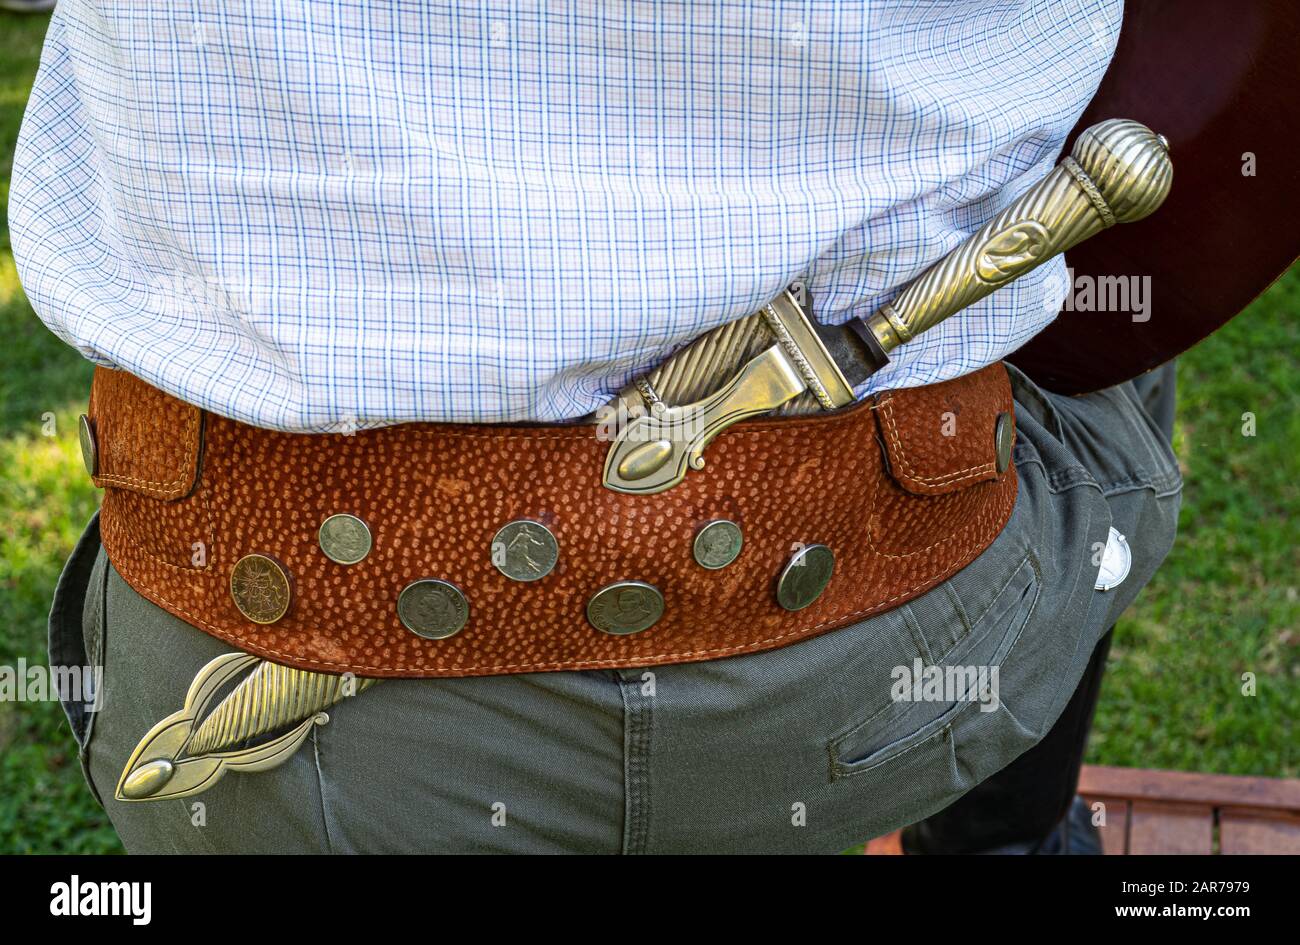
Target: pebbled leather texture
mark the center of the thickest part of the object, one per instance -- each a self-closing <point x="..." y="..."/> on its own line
<point x="152" y="449"/>
<point x="186" y="496"/>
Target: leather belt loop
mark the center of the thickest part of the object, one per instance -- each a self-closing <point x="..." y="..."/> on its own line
<point x="146" y="441"/>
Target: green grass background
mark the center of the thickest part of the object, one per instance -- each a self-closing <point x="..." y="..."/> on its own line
<point x="1227" y="601"/>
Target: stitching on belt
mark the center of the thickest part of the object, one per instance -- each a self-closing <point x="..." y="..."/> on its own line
<point x="990" y="511"/>
<point x="121" y="480"/>
<point x="896" y="441"/>
<point x="423" y="660"/>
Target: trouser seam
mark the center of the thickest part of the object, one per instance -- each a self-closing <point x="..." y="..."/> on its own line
<point x="1162" y="487"/>
<point x="320" y="787"/>
<point x="1073" y="477"/>
<point x="638" y="718"/>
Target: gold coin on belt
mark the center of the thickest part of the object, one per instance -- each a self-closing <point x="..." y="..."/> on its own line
<point x="344" y="538"/>
<point x="261" y="588"/>
<point x="625" y="607"/>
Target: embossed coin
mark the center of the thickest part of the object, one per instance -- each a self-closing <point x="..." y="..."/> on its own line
<point x="625" y="607"/>
<point x="524" y="550"/>
<point x="344" y="538"/>
<point x="1004" y="438"/>
<point x="805" y="577"/>
<point x="261" y="588"/>
<point x="432" y="609"/>
<point x="86" y="434"/>
<point x="718" y="544"/>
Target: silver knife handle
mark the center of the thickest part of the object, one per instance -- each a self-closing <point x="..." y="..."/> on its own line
<point x="1119" y="171"/>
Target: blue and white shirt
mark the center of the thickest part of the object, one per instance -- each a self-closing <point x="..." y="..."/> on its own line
<point x="333" y="213"/>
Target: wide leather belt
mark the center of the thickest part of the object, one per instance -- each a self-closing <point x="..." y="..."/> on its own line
<point x="220" y="523"/>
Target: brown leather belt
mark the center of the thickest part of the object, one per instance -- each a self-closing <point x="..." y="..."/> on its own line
<point x="905" y="489"/>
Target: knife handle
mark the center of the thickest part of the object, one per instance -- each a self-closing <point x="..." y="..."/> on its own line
<point x="1118" y="171"/>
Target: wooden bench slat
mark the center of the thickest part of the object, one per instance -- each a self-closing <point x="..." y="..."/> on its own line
<point x="1170" y="828"/>
<point x="1149" y="811"/>
<point x="1216" y="790"/>
<point x="1114" y="832"/>
<point x="890" y="844"/>
<point x="1247" y="831"/>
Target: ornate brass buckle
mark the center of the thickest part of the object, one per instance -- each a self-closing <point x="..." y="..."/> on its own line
<point x="274" y="708"/>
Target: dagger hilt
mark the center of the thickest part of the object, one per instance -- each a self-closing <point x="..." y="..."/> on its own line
<point x="1118" y="171"/>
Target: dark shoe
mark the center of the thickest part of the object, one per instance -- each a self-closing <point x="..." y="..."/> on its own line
<point x="1074" y="835"/>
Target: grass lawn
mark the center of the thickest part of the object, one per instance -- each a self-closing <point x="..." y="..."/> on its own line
<point x="1226" y="603"/>
<point x="45" y="500"/>
<point x="1227" y="600"/>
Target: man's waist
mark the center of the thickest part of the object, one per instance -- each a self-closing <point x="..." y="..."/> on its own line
<point x="451" y="550"/>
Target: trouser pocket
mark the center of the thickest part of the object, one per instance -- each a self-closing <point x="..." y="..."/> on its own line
<point x="926" y="698"/>
<point x="76" y="640"/>
<point x="1027" y="607"/>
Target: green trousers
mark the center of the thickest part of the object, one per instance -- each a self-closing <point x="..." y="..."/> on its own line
<point x="807" y="748"/>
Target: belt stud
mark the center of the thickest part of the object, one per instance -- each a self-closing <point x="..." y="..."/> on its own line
<point x="525" y="550"/>
<point x="717" y="544"/>
<point x="625" y="607"/>
<point x="261" y="588"/>
<point x="432" y="608"/>
<point x="1004" y="438"/>
<point x="345" y="539"/>
<point x="805" y="577"/>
